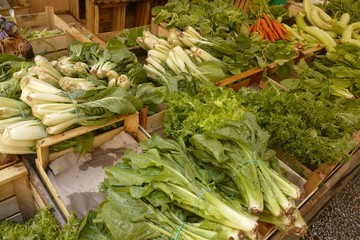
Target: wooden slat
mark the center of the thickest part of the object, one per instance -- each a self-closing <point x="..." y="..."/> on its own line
<point x="50" y="17"/>
<point x="24" y="197"/>
<point x="9" y="207"/>
<point x="12" y="173"/>
<point x="6" y="191"/>
<point x="52" y="190"/>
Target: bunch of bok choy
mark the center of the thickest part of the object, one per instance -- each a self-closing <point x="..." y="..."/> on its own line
<point x="18" y="128"/>
<point x="165" y="178"/>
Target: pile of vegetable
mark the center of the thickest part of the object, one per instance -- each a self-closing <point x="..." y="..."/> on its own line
<point x="163" y="192"/>
<point x="313" y="24"/>
<point x="217" y="18"/>
<point x="270" y="29"/>
<point x="42" y="226"/>
<point x="187" y="60"/>
<point x="87" y="87"/>
<point x="336" y="8"/>
<point x="333" y="74"/>
<point x="12" y="41"/>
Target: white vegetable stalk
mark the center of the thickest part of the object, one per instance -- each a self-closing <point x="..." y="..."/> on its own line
<point x="11" y="108"/>
<point x="152" y="61"/>
<point x="8" y="121"/>
<point x="162" y="56"/>
<point x="173" y="38"/>
<point x="204" y="55"/>
<point x="46" y="71"/>
<point x="71" y="83"/>
<point x="36" y="85"/>
<point x="123" y="82"/>
<point x="170" y="63"/>
<point x="40" y="110"/>
<point x="25" y="131"/>
<point x="178" y="61"/>
<point x="180" y="53"/>
<point x="191" y="31"/>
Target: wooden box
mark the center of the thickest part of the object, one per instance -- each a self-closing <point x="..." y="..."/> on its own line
<point x="44" y="158"/>
<point x="105" y="16"/>
<point x="51" y="46"/>
<point x="20" y="7"/>
<point x="18" y="198"/>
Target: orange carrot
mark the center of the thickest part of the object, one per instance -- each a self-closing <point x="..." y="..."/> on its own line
<point x="267" y="19"/>
<point x="278" y="29"/>
<point x="285" y="31"/>
<point x="270" y="35"/>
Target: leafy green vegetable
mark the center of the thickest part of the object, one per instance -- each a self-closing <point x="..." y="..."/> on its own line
<point x="42" y="226"/>
<point x="9" y="85"/>
<point x="187" y="115"/>
<point x="129" y="36"/>
<point x="163" y="176"/>
<point x="312" y="129"/>
<point x="211" y="18"/>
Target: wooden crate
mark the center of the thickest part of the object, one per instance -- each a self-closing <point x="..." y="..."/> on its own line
<point x="51" y="46"/>
<point x="7" y="160"/>
<point x="16" y="196"/>
<point x="105" y="16"/>
<point x="20" y="7"/>
<point x="44" y="158"/>
<point x="242" y="4"/>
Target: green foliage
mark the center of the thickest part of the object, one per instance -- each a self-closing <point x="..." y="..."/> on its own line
<point x="211" y="18"/>
<point x="42" y="226"/>
<point x="9" y="85"/>
<point x="208" y="110"/>
<point x="312" y="129"/>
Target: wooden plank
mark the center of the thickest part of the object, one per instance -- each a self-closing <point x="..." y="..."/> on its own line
<point x="96" y="19"/>
<point x="38" y="200"/>
<point x="24" y="197"/>
<point x="52" y="190"/>
<point x="253" y="73"/>
<point x="50" y="17"/>
<point x="40" y="188"/>
<point x="8" y="207"/>
<point x="12" y="173"/>
<point x="17" y="10"/>
<point x="6" y="191"/>
<point x="16" y="218"/>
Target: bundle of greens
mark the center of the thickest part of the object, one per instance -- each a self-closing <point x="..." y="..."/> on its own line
<point x="187" y="60"/>
<point x="227" y="142"/>
<point x="42" y="226"/>
<point x="157" y="182"/>
<point x="211" y="18"/>
<point x="314" y="130"/>
<point x="10" y="84"/>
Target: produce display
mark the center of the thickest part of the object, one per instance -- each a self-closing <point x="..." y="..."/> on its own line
<point x="218" y="173"/>
<point x="88" y="87"/>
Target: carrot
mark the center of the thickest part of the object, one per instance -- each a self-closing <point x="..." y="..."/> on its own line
<point x="252" y="28"/>
<point x="285" y="30"/>
<point x="267" y="19"/>
<point x="270" y="35"/>
<point x="277" y="27"/>
<point x="257" y="24"/>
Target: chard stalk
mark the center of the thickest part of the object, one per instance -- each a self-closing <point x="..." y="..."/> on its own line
<point x="178" y="61"/>
<point x="182" y="55"/>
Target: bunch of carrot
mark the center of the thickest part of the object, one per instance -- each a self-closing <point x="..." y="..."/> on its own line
<point x="270" y="29"/>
